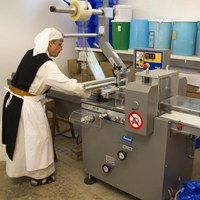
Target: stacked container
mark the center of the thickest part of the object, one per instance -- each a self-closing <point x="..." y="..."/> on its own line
<point x="160" y="33"/>
<point x="121" y="27"/>
<point x="139" y="33"/>
<point x="198" y="39"/>
<point x="184" y="38"/>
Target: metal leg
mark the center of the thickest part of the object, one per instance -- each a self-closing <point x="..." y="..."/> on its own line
<point x="89" y="180"/>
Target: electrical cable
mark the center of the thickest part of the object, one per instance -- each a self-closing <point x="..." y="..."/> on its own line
<point x="67" y="2"/>
<point x="78" y="139"/>
<point x="176" y="195"/>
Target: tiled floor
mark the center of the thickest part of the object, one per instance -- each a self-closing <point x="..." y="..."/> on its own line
<point x="68" y="186"/>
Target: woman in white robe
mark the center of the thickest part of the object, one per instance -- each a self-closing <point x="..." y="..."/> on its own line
<point x="33" y="152"/>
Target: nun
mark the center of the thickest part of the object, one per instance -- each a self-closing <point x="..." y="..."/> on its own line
<point x="25" y="128"/>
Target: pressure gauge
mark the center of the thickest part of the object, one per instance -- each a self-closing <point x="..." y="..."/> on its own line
<point x="121" y="155"/>
<point x="106" y="168"/>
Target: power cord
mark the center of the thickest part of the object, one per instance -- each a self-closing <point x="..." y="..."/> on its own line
<point x="67" y="2"/>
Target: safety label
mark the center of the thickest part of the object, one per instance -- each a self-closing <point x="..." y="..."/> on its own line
<point x="135" y="120"/>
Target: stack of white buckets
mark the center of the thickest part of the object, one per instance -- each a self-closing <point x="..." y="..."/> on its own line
<point x="181" y="36"/>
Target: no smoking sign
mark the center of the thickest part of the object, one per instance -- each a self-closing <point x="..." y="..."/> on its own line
<point x="135" y="120"/>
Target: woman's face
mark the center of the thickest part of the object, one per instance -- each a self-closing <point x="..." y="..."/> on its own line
<point x="55" y="47"/>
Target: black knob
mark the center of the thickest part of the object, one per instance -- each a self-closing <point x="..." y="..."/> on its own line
<point x="106" y="168"/>
<point x="52" y="9"/>
<point x="121" y="155"/>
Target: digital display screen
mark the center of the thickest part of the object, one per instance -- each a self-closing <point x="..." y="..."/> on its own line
<point x="150" y="56"/>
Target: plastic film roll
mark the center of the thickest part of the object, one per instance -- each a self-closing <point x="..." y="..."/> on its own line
<point x="83" y="11"/>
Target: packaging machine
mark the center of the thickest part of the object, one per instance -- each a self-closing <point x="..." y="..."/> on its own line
<point x="141" y="139"/>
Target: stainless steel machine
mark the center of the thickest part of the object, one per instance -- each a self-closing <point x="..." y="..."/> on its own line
<point x="142" y="140"/>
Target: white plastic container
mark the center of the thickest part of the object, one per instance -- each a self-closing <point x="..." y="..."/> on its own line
<point x="123" y="13"/>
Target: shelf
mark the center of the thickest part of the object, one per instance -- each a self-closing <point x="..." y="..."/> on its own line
<point x="130" y="52"/>
<point x="186" y="58"/>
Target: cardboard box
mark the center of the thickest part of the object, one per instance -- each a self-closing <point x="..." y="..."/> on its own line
<point x="193" y="91"/>
<point x="192" y="88"/>
<point x="73" y="66"/>
<point x="78" y="77"/>
<point x="193" y="95"/>
<point x="91" y="77"/>
<point x="132" y="73"/>
<point x="132" y="70"/>
<point x="107" y="68"/>
<point x="89" y="72"/>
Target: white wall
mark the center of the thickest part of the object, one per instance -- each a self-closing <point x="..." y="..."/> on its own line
<point x="20" y="21"/>
<point x="164" y="9"/>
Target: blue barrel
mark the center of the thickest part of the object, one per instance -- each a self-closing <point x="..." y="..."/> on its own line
<point x="139" y="33"/>
<point x="198" y="39"/>
<point x="184" y="38"/>
<point x="160" y="33"/>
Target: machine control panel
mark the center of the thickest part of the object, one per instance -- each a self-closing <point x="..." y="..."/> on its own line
<point x="151" y="59"/>
<point x="104" y="113"/>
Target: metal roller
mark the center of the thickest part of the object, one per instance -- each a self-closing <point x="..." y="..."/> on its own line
<point x="95" y="82"/>
<point x="69" y="9"/>
<point x="72" y="10"/>
<point x="80" y="35"/>
<point x="98" y="83"/>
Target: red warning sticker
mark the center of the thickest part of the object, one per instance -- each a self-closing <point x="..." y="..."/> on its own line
<point x="135" y="120"/>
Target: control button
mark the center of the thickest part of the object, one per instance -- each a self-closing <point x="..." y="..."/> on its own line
<point x="146" y="65"/>
<point x="179" y="126"/>
<point x="135" y="105"/>
<point x="117" y="118"/>
<point x="106" y="168"/>
<point x="121" y="155"/>
<point x="104" y="115"/>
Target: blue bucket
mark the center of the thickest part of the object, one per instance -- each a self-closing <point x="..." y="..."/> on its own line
<point x="198" y="39"/>
<point x="184" y="38"/>
<point x="139" y="33"/>
<point x="160" y="33"/>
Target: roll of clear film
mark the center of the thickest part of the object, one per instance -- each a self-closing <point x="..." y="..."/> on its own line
<point x="83" y="10"/>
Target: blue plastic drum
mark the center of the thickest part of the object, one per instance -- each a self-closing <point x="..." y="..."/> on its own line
<point x="139" y="33"/>
<point x="184" y="38"/>
<point x="160" y="33"/>
<point x="198" y="39"/>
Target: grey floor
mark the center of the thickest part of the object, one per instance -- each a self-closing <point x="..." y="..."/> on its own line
<point x="69" y="184"/>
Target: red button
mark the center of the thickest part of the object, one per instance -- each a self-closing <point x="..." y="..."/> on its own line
<point x="179" y="126"/>
<point x="146" y="65"/>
